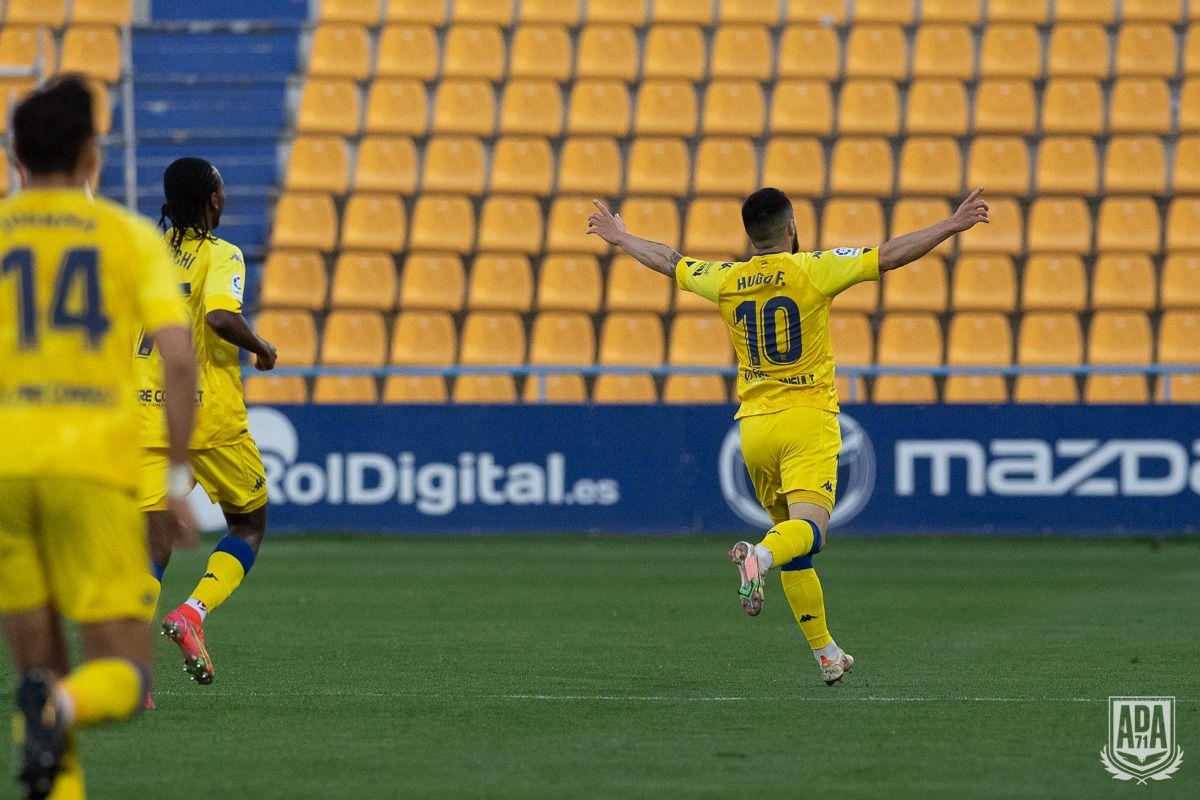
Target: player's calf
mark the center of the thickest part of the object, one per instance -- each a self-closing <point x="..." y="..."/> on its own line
<point x="45" y="734"/>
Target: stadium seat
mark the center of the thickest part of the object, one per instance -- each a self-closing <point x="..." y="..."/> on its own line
<point x="473" y="51"/>
<point x="795" y="165"/>
<point x="936" y="107"/>
<point x="522" y="165"/>
<point x="657" y="218"/>
<point x="94" y="51"/>
<point x="1135" y="165"/>
<point x="851" y="337"/>
<point x="1050" y="338"/>
<point x="635" y="388"/>
<point x="407" y="51"/>
<point x="1054" y="283"/>
<point x="1078" y="51"/>
<point x="1179" y="388"/>
<point x="868" y="107"/>
<point x="386" y="164"/>
<point x="363" y="12"/>
<point x="713" y="229"/>
<point x="909" y="339"/>
<point x="911" y="214"/>
<point x="904" y="389"/>
<point x="742" y="51"/>
<point x="852" y="223"/>
<point x="699" y="339"/>
<point x="486" y="389"/>
<point x="734" y="108"/>
<point x="563" y="338"/>
<point x="666" y="108"/>
<point x="979" y="340"/>
<point x="826" y="12"/>
<point x="1125" y="388"/>
<point x="569" y="283"/>
<point x="318" y="164"/>
<point x="273" y="390"/>
<point x="810" y="52"/>
<point x="1010" y="51"/>
<point x="1185" y="177"/>
<point x="862" y="297"/>
<point x="1124" y="281"/>
<point x="1072" y="105"/>
<point x="943" y="51"/>
<point x="930" y="165"/>
<point x="658" y="166"/>
<point x="634" y="339"/>
<point x="397" y="107"/>
<point x="422" y="389"/>
<point x="101" y="12"/>
<point x="726" y="166"/>
<point x="1140" y="105"/>
<point x="899" y="12"/>
<point x="694" y="389"/>
<point x="1004" y="105"/>
<point x="1067" y="165"/>
<point x="876" y="51"/>
<point x="1058" y="225"/>
<point x="500" y="282"/>
<point x="340" y="50"/>
<point x="1183" y="224"/>
<point x="329" y="106"/>
<point x="607" y="51"/>
<point x="541" y="51"/>
<point x="1152" y="10"/>
<point x="862" y="166"/>
<point x="293" y="333"/>
<point x="1178" y="333"/>
<point x="415" y="11"/>
<point x="443" y="222"/>
<point x="975" y="389"/>
<point x="1191" y="51"/>
<point x="364" y="280"/>
<point x="1084" y="11"/>
<point x="681" y="11"/>
<point x="1056" y="389"/>
<point x="628" y="12"/>
<point x="511" y="224"/>
<point x="354" y="339"/>
<point x="1145" y="49"/>
<point x="22" y="45"/>
<point x="633" y="287"/>
<point x="304" y="221"/>
<point x="345" y="390"/>
<point x="492" y="337"/>
<point x="1120" y="337"/>
<point x="1002" y="235"/>
<point x="600" y="107"/>
<point x="1128" y="224"/>
<point x="1181" y="281"/>
<point x="531" y="106"/>
<point x="919" y="286"/>
<point x="568" y="388"/>
<point x="801" y="107"/>
<point x="567" y="226"/>
<point x="424" y="339"/>
<point x="374" y="222"/>
<point x="50" y="13"/>
<point x="1031" y="11"/>
<point x="464" y="106"/>
<point x="984" y="283"/>
<point x="1000" y="164"/>
<point x="483" y="11"/>
<point x="963" y="11"/>
<point x="731" y="12"/>
<point x="559" y="12"/>
<point x="293" y="279"/>
<point x="433" y="281"/>
<point x="674" y="51"/>
<point x="590" y="165"/>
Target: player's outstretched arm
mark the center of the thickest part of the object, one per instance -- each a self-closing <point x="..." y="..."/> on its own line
<point x="174" y="343"/>
<point x="611" y="228"/>
<point x="911" y="246"/>
<point x="233" y="328"/>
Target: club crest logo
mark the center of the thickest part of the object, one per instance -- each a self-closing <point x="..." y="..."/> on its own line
<point x="1141" y="739"/>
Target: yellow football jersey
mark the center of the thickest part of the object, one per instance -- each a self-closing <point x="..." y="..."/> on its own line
<point x="79" y="278"/>
<point x="212" y="276"/>
<point x="777" y="309"/>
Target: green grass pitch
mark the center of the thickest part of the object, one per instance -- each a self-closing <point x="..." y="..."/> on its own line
<point x="624" y="667"/>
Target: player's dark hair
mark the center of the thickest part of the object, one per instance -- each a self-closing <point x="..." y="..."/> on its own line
<point x="53" y="124"/>
<point x="765" y="214"/>
<point x="188" y="185"/>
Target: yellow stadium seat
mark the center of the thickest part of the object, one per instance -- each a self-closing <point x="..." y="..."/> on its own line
<point x="657" y="218"/>
<point x="555" y="389"/>
<point x="909" y="340"/>
<point x="1059" y="225"/>
<point x="1128" y="224"/>
<point x="936" y="107"/>
<point x="904" y="389"/>
<point x="826" y="12"/>
<point x="541" y="51"/>
<point x="1140" y="105"/>
<point x="293" y="333"/>
<point x="386" y="164"/>
<point x="632" y="339"/>
<point x="464" y="106"/>
<point x="1135" y="164"/>
<point x="1120" y="337"/>
<point x="443" y="222"/>
<point x="714" y="228"/>
<point x="429" y="13"/>
<point x="919" y="286"/>
<point x="1078" y="51"/>
<point x="1178" y="333"/>
<point x="726" y="166"/>
<point x="1146" y="49"/>
<point x="627" y="12"/>
<point x="1152" y="10"/>
<point x="862" y="166"/>
<point x="500" y="283"/>
<point x="633" y="287"/>
<point x="102" y="12"/>
<point x="94" y="51"/>
<point x="340" y="50"/>
<point x="492" y="337"/>
<point x="1002" y="235"/>
<point x="473" y="51"/>
<point x="699" y="339"/>
<point x="354" y="339"/>
<point x="681" y="11"/>
<point x="912" y="214"/>
<point x="50" y="13"/>
<point x="522" y="165"/>
<point x="747" y="11"/>
<point x="1053" y="283"/>
<point x="494" y="389"/>
<point x="1179" y="388"/>
<point x="424" y="339"/>
<point x="1000" y="164"/>
<point x="1004" y="105"/>
<point x="742" y="51"/>
<point x="364" y="280"/>
<point x="1191" y="51"/>
<point x="803" y="107"/>
<point x="1057" y="389"/>
<point x="899" y="12"/>
<point x="293" y="279"/>
<point x="304" y="221"/>
<point x="943" y="51"/>
<point x="1050" y="338"/>
<point x="1120" y="388"/>
<point x="635" y="388"/>
<point x="531" y="106"/>
<point x="345" y="390"/>
<point x="876" y="51"/>
<point x="607" y="51"/>
<point x="1185" y="178"/>
<point x="318" y="163"/>
<point x="1183" y="224"/>
<point x="979" y="340"/>
<point x="328" y="106"/>
<point x="1010" y="51"/>
<point x="930" y="165"/>
<point x="734" y="108"/>
<point x="1124" y="281"/>
<point x="666" y="108"/>
<point x="407" y="51"/>
<point x="1072" y="105"/>
<point x="963" y="11"/>
<point x="795" y="165"/>
<point x="1181" y="281"/>
<point x="374" y="222"/>
<point x="567" y="226"/>
<point x="674" y="51"/>
<point x="975" y="389"/>
<point x="1032" y="11"/>
<point x="272" y="390"/>
<point x="694" y="389"/>
<point x="396" y="107"/>
<point x="851" y="337"/>
<point x="809" y="51"/>
<point x="559" y="12"/>
<point x="423" y="389"/>
<point x="984" y="283"/>
<point x="869" y="107"/>
<point x="484" y="11"/>
<point x="590" y="165"/>
<point x="509" y="223"/>
<point x="1084" y="11"/>
<point x="852" y="223"/>
<point x="433" y="281"/>
<point x="569" y="283"/>
<point x="1067" y="165"/>
<point x="22" y="45"/>
<point x="862" y="297"/>
<point x="363" y="12"/>
<point x="454" y="164"/>
<point x="599" y="107"/>
<point x="562" y="338"/>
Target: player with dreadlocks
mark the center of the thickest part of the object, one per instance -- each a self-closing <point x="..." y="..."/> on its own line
<point x="225" y="459"/>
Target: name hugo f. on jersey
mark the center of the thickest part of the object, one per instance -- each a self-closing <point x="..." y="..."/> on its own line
<point x="776" y="307"/>
<point x="79" y="278"/>
<point x="212" y="275"/>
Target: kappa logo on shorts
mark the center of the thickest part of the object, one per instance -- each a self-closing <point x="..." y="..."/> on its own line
<point x="827" y="486"/>
<point x="258" y="484"/>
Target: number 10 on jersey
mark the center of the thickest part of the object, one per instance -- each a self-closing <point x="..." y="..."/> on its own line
<point x="764" y="334"/>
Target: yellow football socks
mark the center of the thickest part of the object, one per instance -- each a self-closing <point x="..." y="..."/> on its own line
<point x="227" y="567"/>
<point x="103" y="690"/>
<point x="789" y="540"/>
<point x="802" y="588"/>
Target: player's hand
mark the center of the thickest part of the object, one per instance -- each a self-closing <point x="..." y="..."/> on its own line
<point x="605" y="224"/>
<point x="972" y="211"/>
<point x="182" y="524"/>
<point x="265" y="362"/>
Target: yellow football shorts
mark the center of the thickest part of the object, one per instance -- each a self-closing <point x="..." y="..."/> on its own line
<point x="232" y="475"/>
<point x="73" y="544"/>
<point x="794" y="450"/>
